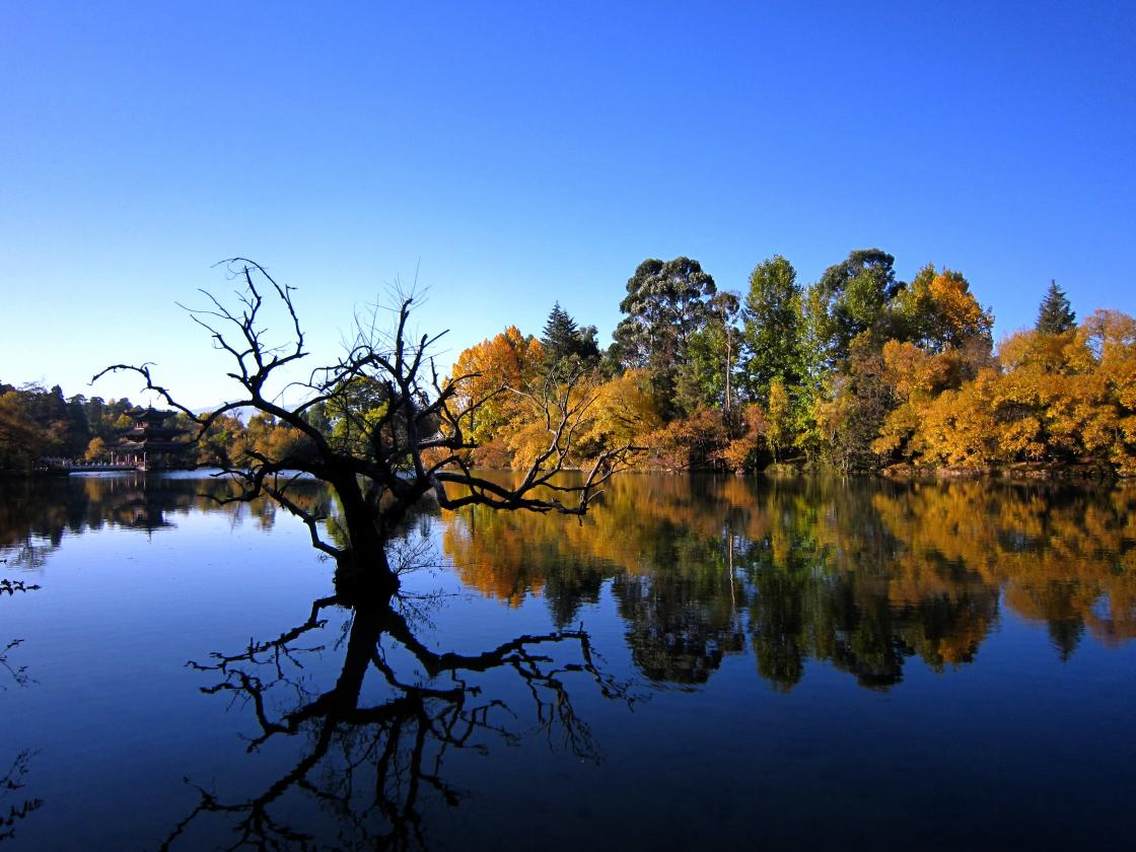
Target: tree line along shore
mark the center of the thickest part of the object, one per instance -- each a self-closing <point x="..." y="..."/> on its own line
<point x="857" y="371"/>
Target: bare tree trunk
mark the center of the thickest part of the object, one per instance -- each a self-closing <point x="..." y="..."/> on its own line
<point x="363" y="572"/>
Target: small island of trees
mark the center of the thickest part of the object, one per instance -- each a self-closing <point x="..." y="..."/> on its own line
<point x="858" y="371"/>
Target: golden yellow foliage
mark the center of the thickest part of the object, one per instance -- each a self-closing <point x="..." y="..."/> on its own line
<point x="1056" y="399"/>
<point x="494" y="373"/>
<point x="625" y="411"/>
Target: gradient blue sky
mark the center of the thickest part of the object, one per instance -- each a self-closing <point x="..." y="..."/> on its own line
<point x="518" y="154"/>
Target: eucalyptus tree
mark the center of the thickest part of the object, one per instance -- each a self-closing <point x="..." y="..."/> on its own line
<point x="850" y="298"/>
<point x="667" y="303"/>
<point x="707" y="377"/>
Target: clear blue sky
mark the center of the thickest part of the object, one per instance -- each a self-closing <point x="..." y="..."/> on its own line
<point x="519" y="154"/>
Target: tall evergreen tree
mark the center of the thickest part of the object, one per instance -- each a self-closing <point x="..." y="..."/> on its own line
<point x="1055" y="316"/>
<point x="564" y="339"/>
<point x="560" y="333"/>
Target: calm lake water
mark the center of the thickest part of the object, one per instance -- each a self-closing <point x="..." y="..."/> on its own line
<point x="700" y="663"/>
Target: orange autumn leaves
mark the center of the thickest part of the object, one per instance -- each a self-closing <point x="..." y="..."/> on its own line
<point x="511" y="379"/>
<point x="1063" y="399"/>
<point x="919" y="387"/>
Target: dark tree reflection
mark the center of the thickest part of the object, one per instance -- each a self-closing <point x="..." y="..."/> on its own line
<point x="15" y="806"/>
<point x="374" y="744"/>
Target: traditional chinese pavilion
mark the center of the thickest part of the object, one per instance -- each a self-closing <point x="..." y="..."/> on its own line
<point x="151" y="444"/>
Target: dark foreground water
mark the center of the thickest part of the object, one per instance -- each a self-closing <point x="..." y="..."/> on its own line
<point x="702" y="663"/>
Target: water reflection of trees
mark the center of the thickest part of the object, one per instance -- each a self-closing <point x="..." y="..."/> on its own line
<point x="36" y="514"/>
<point x="15" y="806"/>
<point x="863" y="575"/>
<point x="372" y="747"/>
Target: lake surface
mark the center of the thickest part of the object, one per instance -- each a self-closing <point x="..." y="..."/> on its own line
<point x="700" y="663"/>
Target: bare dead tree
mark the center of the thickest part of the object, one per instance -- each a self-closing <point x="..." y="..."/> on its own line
<point x="404" y="433"/>
<point x="373" y="763"/>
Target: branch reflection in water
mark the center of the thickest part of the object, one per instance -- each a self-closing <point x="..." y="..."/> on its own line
<point x="15" y="807"/>
<point x="377" y="740"/>
<point x="700" y="585"/>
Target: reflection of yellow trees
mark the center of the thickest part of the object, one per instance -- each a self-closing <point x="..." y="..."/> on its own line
<point x="860" y="574"/>
<point x="1060" y="556"/>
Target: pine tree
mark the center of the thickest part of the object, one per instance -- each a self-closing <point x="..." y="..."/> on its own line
<point x="564" y="339"/>
<point x="561" y="336"/>
<point x="1055" y="316"/>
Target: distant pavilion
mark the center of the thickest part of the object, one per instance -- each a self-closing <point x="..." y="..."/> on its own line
<point x="150" y="444"/>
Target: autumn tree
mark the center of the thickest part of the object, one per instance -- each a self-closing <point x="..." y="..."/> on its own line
<point x="750" y="436"/>
<point x="625" y="413"/>
<point x="779" y="420"/>
<point x="1064" y="399"/>
<point x="96" y="449"/>
<point x="507" y="360"/>
<point x="943" y="339"/>
<point x="937" y="311"/>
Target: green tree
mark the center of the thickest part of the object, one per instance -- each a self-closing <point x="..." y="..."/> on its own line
<point x="849" y="417"/>
<point x="78" y="426"/>
<point x="564" y="339"/>
<point x="706" y="379"/>
<point x="851" y="299"/>
<point x="560" y="332"/>
<point x="773" y="327"/>
<point x="1055" y="316"/>
<point x="667" y="302"/>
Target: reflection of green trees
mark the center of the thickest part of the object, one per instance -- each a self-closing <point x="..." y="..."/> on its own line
<point x="862" y="575"/>
<point x="680" y="624"/>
